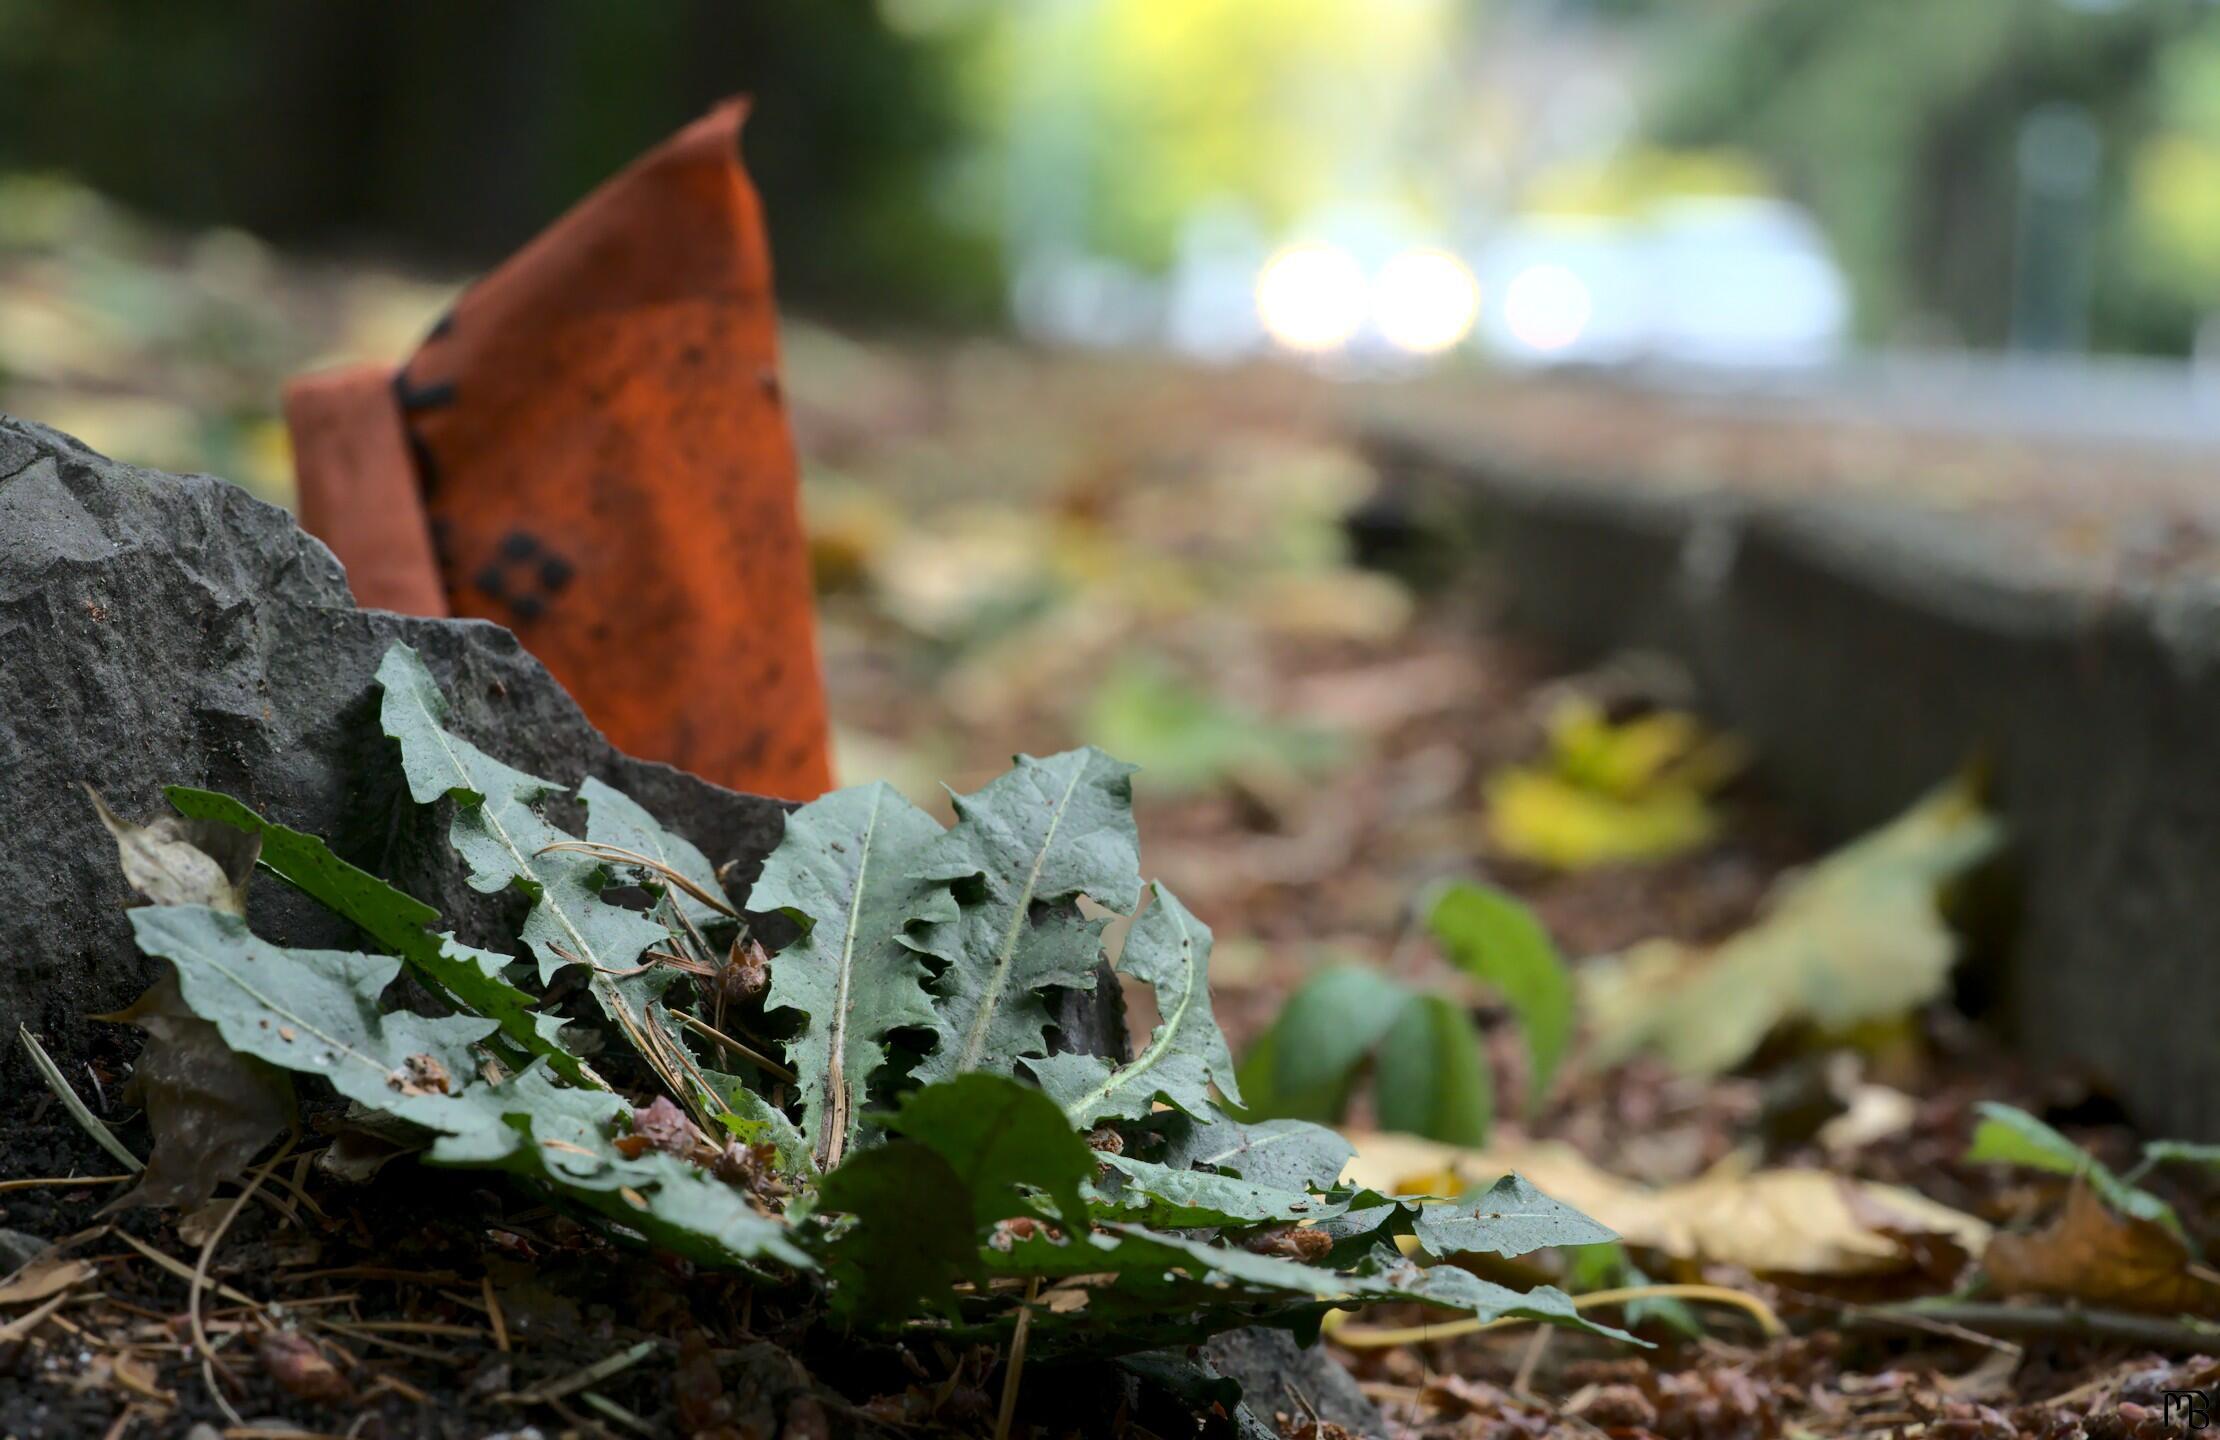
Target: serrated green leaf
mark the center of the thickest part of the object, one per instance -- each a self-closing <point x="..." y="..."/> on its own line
<point x="1222" y="1172"/>
<point x="562" y="1137"/>
<point x="846" y="871"/>
<point x="505" y="842"/>
<point x="1283" y="1154"/>
<point x="316" y="1012"/>
<point x="1512" y="1218"/>
<point x="1497" y="940"/>
<point x="1430" y="1077"/>
<point x="1001" y="1138"/>
<point x="615" y="819"/>
<point x="1303" y="1066"/>
<point x="1157" y="1195"/>
<point x="909" y="1238"/>
<point x="1170" y="950"/>
<point x="399" y="922"/>
<point x="1022" y="850"/>
<point x="1160" y="1275"/>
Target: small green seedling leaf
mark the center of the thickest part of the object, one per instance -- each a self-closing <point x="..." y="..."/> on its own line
<point x="1303" y="1067"/>
<point x="2011" y="1136"/>
<point x="1497" y="941"/>
<point x="1430" y="1077"/>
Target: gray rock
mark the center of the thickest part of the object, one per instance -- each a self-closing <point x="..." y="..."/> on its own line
<point x="1279" y="1377"/>
<point x="164" y="629"/>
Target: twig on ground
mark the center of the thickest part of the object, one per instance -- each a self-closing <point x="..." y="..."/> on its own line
<point x="703" y="1028"/>
<point x="210" y="1362"/>
<point x="577" y="1380"/>
<point x="669" y="876"/>
<point x="494" y="1317"/>
<point x="1008" y="1409"/>
<point x="2041" y="1322"/>
<point x="611" y="1410"/>
<point x="61" y="1182"/>
<point x="32" y="1319"/>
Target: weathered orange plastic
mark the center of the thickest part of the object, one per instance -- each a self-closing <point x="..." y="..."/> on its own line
<point x="597" y="455"/>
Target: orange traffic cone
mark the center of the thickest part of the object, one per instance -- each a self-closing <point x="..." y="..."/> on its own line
<point x="592" y="449"/>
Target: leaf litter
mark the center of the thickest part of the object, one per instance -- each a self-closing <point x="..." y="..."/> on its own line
<point x="1168" y="541"/>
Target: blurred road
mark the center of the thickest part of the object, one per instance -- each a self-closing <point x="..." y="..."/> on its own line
<point x="2144" y="403"/>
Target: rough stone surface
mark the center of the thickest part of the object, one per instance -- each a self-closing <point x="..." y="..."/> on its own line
<point x="1869" y="648"/>
<point x="1279" y="1377"/>
<point x="162" y="629"/>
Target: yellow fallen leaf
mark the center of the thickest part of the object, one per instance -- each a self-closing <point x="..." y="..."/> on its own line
<point x="1538" y="815"/>
<point x="1855" y="938"/>
<point x="1790" y="1222"/>
<point x="2094" y="1254"/>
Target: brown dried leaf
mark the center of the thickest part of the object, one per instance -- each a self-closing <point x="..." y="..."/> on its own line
<point x="176" y="861"/>
<point x="422" y="1075"/>
<point x="1800" y="1222"/>
<point x="43" y="1276"/>
<point x="210" y="1108"/>
<point x="1290" y="1242"/>
<point x="2097" y="1255"/>
<point x="661" y="1125"/>
<point x="298" y="1368"/>
<point x="746" y="973"/>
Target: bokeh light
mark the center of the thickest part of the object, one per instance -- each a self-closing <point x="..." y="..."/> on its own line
<point x="1311" y="297"/>
<point x="1425" y="301"/>
<point x="1547" y="308"/>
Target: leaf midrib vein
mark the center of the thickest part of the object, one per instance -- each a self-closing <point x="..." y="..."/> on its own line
<point x="990" y="999"/>
<point x="1167" y="1030"/>
<point x="837" y="1064"/>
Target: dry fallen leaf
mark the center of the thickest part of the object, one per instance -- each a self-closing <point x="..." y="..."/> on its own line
<point x="298" y="1368"/>
<point x="43" y="1276"/>
<point x="1856" y="938"/>
<point x="420" y="1075"/>
<point x="176" y="861"/>
<point x="2093" y="1253"/>
<point x="210" y="1107"/>
<point x="1792" y="1222"/>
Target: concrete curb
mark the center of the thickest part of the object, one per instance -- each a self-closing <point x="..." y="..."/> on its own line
<point x="1868" y="647"/>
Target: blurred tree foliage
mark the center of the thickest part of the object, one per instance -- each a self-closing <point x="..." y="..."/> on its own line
<point x="1898" y="121"/>
<point x="453" y="131"/>
<point x="1114" y="121"/>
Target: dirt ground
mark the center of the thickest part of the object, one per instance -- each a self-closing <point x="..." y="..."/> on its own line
<point x="1017" y="552"/>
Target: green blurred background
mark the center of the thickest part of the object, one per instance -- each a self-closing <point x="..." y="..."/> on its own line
<point x="912" y="150"/>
